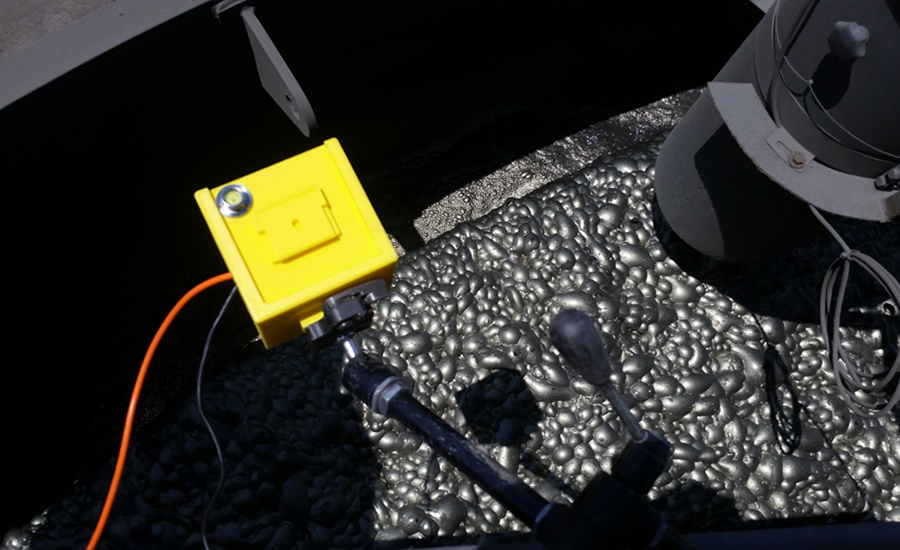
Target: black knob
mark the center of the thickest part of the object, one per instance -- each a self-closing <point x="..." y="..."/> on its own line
<point x="579" y="342"/>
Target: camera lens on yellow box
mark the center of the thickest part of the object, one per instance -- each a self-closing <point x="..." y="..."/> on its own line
<point x="234" y="200"/>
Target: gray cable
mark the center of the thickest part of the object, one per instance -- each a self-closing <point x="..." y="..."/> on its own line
<point x="206" y="421"/>
<point x="865" y="392"/>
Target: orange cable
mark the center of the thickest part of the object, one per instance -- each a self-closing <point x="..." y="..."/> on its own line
<point x="135" y="394"/>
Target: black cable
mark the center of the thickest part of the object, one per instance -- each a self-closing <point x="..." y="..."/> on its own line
<point x="783" y="51"/>
<point x="866" y="393"/>
<point x="206" y="421"/>
<point x="788" y="428"/>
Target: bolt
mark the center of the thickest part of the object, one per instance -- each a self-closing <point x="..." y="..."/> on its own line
<point x="234" y="200"/>
<point x="796" y="159"/>
<point x="889" y="181"/>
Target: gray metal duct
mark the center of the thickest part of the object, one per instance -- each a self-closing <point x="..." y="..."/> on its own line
<point x="805" y="112"/>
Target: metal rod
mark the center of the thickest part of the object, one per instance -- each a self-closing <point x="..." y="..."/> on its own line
<point x="349" y="347"/>
<point x="618" y="404"/>
<point x="503" y="485"/>
<point x="363" y="376"/>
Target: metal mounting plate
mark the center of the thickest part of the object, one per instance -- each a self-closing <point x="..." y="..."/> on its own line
<point x="276" y="77"/>
<point x="823" y="187"/>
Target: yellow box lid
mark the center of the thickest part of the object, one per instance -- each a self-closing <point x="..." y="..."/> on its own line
<point x="295" y="233"/>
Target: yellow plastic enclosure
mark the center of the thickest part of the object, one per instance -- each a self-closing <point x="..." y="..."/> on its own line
<point x="295" y="233"/>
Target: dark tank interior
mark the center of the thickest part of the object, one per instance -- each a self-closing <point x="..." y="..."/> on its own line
<point x="509" y="150"/>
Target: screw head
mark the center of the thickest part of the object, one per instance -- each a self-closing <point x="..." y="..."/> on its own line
<point x="796" y="159"/>
<point x="234" y="200"/>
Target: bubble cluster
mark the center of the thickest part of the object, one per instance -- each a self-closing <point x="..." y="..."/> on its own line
<point x="691" y="361"/>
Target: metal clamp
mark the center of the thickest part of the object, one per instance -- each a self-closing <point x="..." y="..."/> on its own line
<point x="889" y="181"/>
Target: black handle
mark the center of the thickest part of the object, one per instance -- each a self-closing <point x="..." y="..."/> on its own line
<point x="579" y="342"/>
<point x="364" y="376"/>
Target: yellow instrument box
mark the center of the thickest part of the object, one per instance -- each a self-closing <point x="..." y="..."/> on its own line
<point x="294" y="234"/>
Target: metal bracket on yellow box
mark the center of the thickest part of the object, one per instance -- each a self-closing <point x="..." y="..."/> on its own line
<point x="295" y="234"/>
<point x="274" y="74"/>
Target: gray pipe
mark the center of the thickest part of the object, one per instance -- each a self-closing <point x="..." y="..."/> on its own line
<point x="825" y="73"/>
